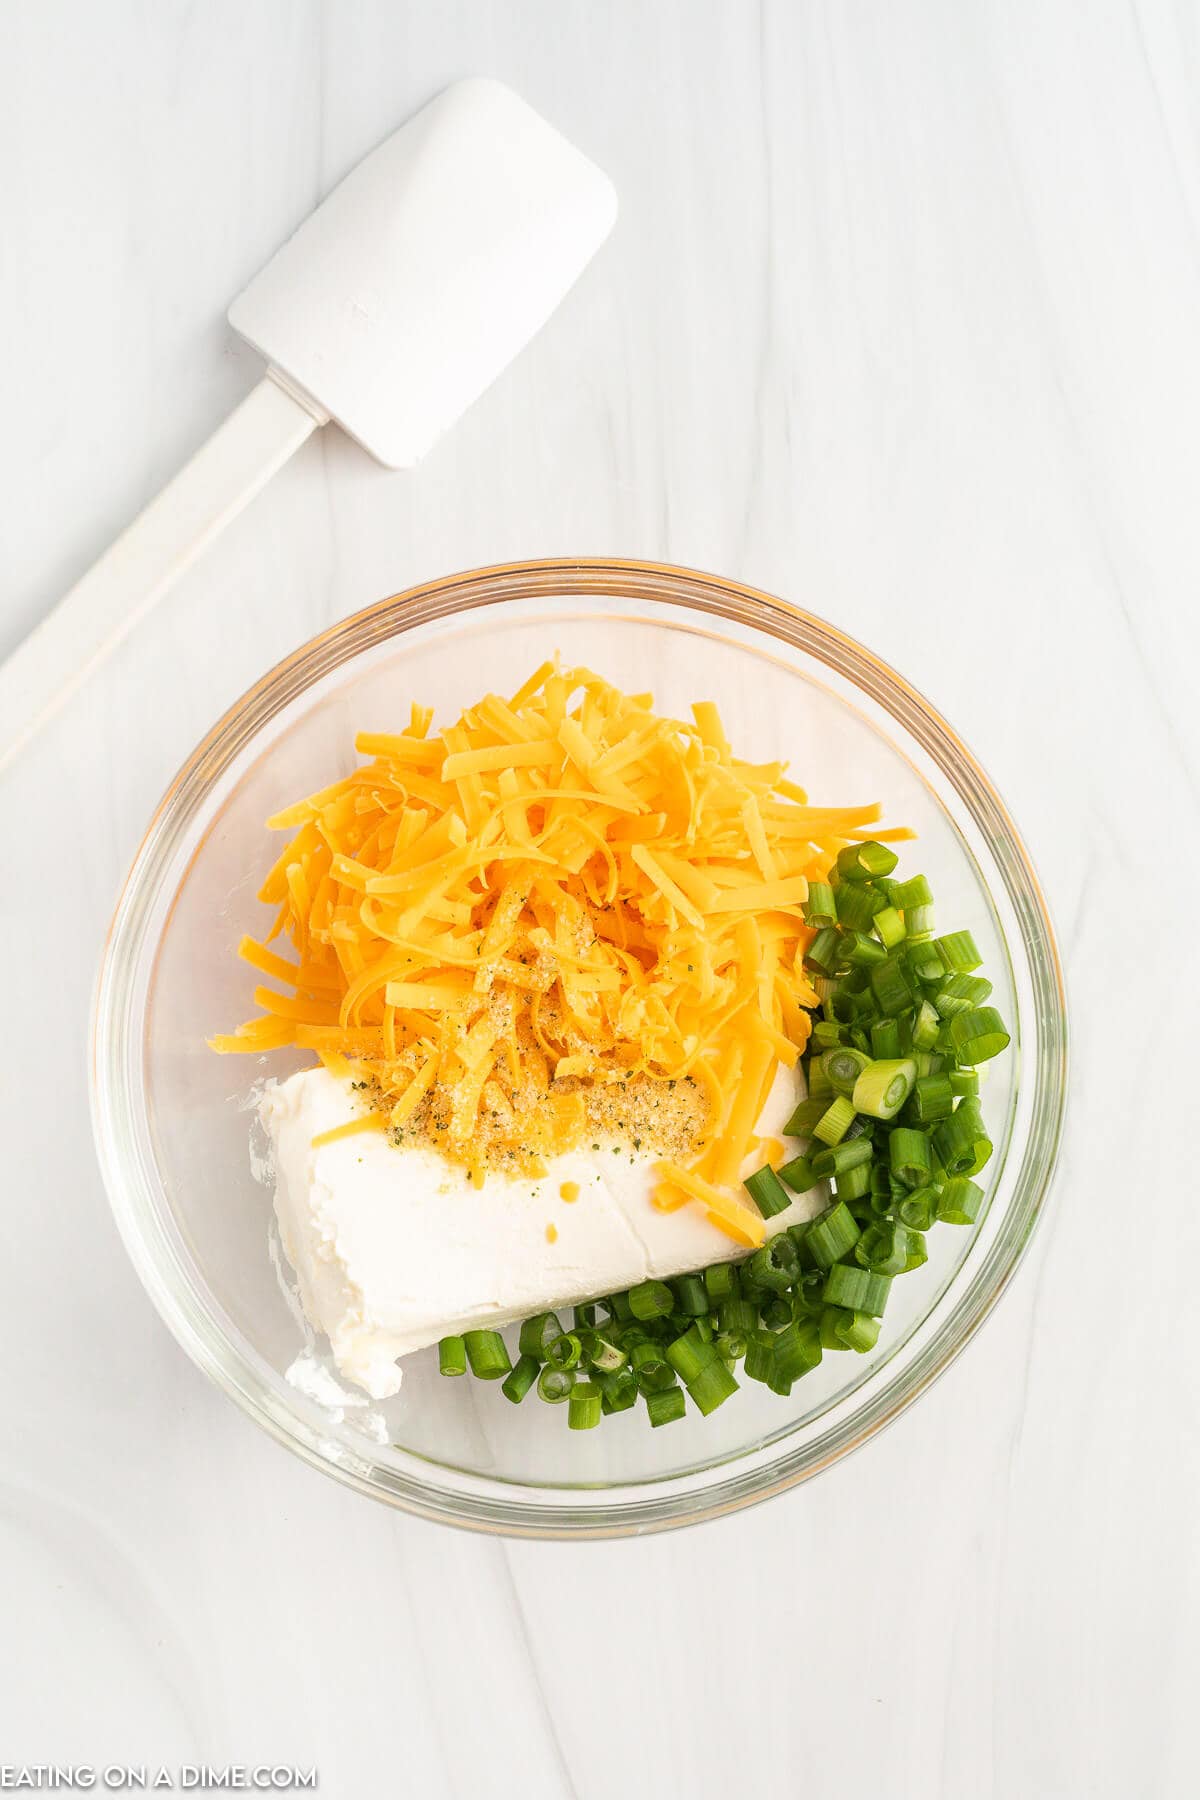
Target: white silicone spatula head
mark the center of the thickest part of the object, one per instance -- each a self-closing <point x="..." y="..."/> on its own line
<point x="429" y="268"/>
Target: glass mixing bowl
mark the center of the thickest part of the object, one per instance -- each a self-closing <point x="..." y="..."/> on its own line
<point x="173" y="1121"/>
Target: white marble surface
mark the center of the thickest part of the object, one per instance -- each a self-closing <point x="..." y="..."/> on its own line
<point x="902" y="319"/>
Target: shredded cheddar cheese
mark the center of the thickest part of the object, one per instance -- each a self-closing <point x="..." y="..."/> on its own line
<point x="371" y="1121"/>
<point x="562" y="915"/>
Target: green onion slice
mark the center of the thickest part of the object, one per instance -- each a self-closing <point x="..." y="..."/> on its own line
<point x="863" y="862"/>
<point x="767" y="1192"/>
<point x="978" y="1035"/>
<point x="884" y="1086"/>
<point x="520" y="1379"/>
<point x="843" y="1067"/>
<point x="487" y="1355"/>
<point x="836" y="1120"/>
<point x="554" y="1385"/>
<point x="666" y="1406"/>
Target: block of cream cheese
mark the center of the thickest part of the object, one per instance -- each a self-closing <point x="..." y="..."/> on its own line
<point x="393" y="1248"/>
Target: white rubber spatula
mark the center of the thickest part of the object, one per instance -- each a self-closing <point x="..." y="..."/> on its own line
<point x="391" y="309"/>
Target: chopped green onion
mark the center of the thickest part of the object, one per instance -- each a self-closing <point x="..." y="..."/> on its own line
<point x="884" y="1248"/>
<point x="831" y="1326"/>
<point x="520" y="1379"/>
<point x="854" y="1005"/>
<point x="889" y="927"/>
<point x="689" y="1354"/>
<point x="452" y="1356"/>
<point x="964" y="1083"/>
<point x="649" y="1364"/>
<point x="831" y="1235"/>
<point x="958" y="952"/>
<point x="691" y="1295"/>
<point x="908" y="1155"/>
<point x="799" y="1236"/>
<point x="564" y="1351"/>
<point x="825" y="988"/>
<point x="835" y="1121"/>
<point x="584" y="1406"/>
<point x="853" y="1184"/>
<point x="925" y="1027"/>
<point x="859" y="1290"/>
<point x="767" y="1192"/>
<point x="799" y="1174"/>
<point x="858" y="1331"/>
<point x="602" y="1353"/>
<point x="889" y="984"/>
<point x="961" y="1142"/>
<point x="807" y="1295"/>
<point x="884" y="1086"/>
<point x="876" y="1245"/>
<point x="946" y="1002"/>
<point x="973" y="988"/>
<point x="486" y="1354"/>
<point x="918" y="1210"/>
<point x="738" y="1314"/>
<point x="537" y="1333"/>
<point x="824" y="953"/>
<point x="917" y="1253"/>
<point x="554" y="1385"/>
<point x="618" y="1390"/>
<point x="843" y="1067"/>
<point x="711" y="1386"/>
<point x="776" y="1310"/>
<point x="797" y="1350"/>
<point x="856" y="909"/>
<point x="720" y="1281"/>
<point x="919" y="920"/>
<point x="916" y="891"/>
<point x="960" y="1201"/>
<point x="978" y="1035"/>
<point x="838" y="1159"/>
<point x="885" y="1040"/>
<point x="932" y="1098"/>
<point x="807" y="1114"/>
<point x="819" y="1085"/>
<point x="862" y="862"/>
<point x="760" y="1355"/>
<point x="731" y="1345"/>
<point x="774" y="1266"/>
<point x="666" y="1405"/>
<point x="826" y="1034"/>
<point x="650" y="1300"/>
<point x="819" y="908"/>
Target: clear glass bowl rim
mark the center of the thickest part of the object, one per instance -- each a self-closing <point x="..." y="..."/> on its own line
<point x="135" y="1201"/>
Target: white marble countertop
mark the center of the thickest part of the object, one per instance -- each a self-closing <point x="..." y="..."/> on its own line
<point x="902" y="320"/>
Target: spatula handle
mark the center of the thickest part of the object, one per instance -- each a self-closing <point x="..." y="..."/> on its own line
<point x="224" y="476"/>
